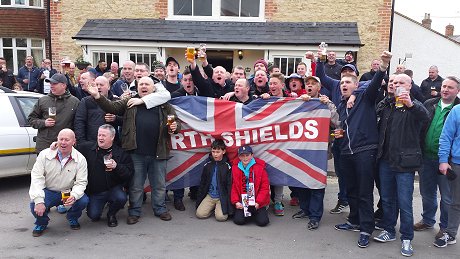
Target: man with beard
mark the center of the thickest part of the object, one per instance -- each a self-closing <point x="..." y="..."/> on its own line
<point x="215" y="87"/>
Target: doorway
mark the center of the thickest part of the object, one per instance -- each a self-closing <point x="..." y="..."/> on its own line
<point x="221" y="58"/>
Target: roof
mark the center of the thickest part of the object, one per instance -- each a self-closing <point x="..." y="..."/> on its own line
<point x="455" y="37"/>
<point x="414" y="21"/>
<point x="290" y="33"/>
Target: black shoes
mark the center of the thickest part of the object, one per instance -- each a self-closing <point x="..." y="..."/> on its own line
<point x="112" y="221"/>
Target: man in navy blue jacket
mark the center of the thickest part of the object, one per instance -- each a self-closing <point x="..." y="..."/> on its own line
<point x="28" y="75"/>
<point x="358" y="150"/>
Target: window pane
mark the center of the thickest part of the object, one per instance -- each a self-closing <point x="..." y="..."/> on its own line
<point x="21" y="42"/>
<point x="182" y="7"/>
<point x="6" y="2"/>
<point x="108" y="58"/>
<point x="27" y="104"/>
<point x="8" y="55"/>
<point x="21" y="57"/>
<point x="38" y="56"/>
<point x="139" y="58"/>
<point x="202" y="7"/>
<point x="115" y="58"/>
<point x="20" y="2"/>
<point x="36" y="3"/>
<point x="230" y="7"/>
<point x="7" y="42"/>
<point x="250" y="8"/>
<point x="132" y="57"/>
<point x="291" y="66"/>
<point x="283" y="66"/>
<point x="36" y="43"/>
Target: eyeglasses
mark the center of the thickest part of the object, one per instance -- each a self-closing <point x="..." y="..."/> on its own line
<point x="140" y="70"/>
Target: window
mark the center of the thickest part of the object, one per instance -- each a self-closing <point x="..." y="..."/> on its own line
<point x="22" y="3"/>
<point x="15" y="51"/>
<point x="250" y="10"/>
<point x="147" y="58"/>
<point x="26" y="104"/>
<point x="287" y="65"/>
<point x="108" y="57"/>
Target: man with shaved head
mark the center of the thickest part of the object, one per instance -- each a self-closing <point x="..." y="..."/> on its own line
<point x="216" y="86"/>
<point x="127" y="78"/>
<point x="431" y="86"/>
<point x="400" y="155"/>
<point x="90" y="116"/>
<point x="147" y="138"/>
<point x="51" y="187"/>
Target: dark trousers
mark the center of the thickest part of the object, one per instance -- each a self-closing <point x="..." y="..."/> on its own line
<point x="358" y="170"/>
<point x="311" y="202"/>
<point x="260" y="216"/>
<point x="116" y="198"/>
<point x="342" y="195"/>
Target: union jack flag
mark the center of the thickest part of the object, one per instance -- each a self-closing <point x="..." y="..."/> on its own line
<point x="289" y="134"/>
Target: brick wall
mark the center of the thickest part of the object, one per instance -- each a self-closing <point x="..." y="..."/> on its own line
<point x="67" y="18"/>
<point x="21" y="22"/>
<point x="372" y="16"/>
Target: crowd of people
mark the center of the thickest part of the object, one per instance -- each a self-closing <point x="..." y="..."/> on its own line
<point x="111" y="132"/>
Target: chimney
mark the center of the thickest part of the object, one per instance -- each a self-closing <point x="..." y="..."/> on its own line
<point x="449" y="30"/>
<point x="426" y="22"/>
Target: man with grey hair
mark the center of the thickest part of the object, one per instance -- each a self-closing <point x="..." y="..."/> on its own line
<point x="147" y="138"/>
<point x="431" y="86"/>
<point x="430" y="180"/>
<point x="109" y="171"/>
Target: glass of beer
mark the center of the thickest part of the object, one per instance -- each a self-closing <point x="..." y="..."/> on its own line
<point x="338" y="132"/>
<point x="202" y="52"/>
<point x="124" y="87"/>
<point x="323" y="47"/>
<point x="171" y="119"/>
<point x="65" y="194"/>
<point x="107" y="161"/>
<point x="191" y="53"/>
<point x="52" y="113"/>
<point x="398" y="92"/>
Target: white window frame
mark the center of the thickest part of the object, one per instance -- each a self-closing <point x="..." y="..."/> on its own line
<point x="28" y="50"/>
<point x="216" y="6"/>
<point x="25" y="5"/>
<point x="152" y="55"/>
<point x="287" y="68"/>
<point x="105" y="53"/>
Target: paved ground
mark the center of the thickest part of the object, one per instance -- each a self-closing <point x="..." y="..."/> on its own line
<point x="187" y="237"/>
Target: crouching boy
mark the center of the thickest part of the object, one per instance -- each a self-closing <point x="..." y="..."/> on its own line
<point x="250" y="188"/>
<point x="216" y="181"/>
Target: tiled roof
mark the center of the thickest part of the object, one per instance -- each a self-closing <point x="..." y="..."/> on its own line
<point x="290" y="33"/>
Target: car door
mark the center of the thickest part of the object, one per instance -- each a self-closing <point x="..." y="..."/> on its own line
<point x="17" y="149"/>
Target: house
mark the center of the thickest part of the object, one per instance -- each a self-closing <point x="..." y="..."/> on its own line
<point x="422" y="48"/>
<point x="23" y="30"/>
<point x="278" y="30"/>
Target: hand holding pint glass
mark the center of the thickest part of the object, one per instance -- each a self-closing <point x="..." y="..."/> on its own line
<point x="108" y="162"/>
<point x="338" y="132"/>
<point x="398" y="92"/>
<point x="190" y="53"/>
<point x="323" y="49"/>
<point x="171" y="123"/>
<point x="51" y="120"/>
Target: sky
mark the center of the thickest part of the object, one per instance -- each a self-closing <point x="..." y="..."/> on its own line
<point x="442" y="12"/>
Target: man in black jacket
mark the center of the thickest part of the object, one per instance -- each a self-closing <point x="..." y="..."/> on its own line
<point x="399" y="154"/>
<point x="90" y="116"/>
<point x="6" y="75"/>
<point x="431" y="86"/>
<point x="109" y="171"/>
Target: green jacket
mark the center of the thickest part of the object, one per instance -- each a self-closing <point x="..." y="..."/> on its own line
<point x="128" y="137"/>
<point x="66" y="107"/>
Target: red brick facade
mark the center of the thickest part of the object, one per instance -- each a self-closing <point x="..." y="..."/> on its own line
<point x="161" y="7"/>
<point x="22" y="23"/>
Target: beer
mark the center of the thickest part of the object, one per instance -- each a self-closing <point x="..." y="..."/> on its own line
<point x="323" y="47"/>
<point x="398" y="103"/>
<point x="171" y="119"/>
<point x="191" y="52"/>
<point x="202" y="55"/>
<point x="107" y="161"/>
<point x="65" y="195"/>
<point x="52" y="113"/>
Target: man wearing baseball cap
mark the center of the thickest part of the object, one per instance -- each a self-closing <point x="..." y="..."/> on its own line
<point x="172" y="82"/>
<point x="349" y="59"/>
<point x="65" y="105"/>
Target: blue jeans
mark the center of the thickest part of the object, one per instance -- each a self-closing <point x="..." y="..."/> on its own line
<point x="155" y="170"/>
<point x="358" y="170"/>
<point x="52" y="199"/>
<point x="116" y="198"/>
<point x="397" y="189"/>
<point x="311" y="202"/>
<point x="342" y="195"/>
<point x="430" y="180"/>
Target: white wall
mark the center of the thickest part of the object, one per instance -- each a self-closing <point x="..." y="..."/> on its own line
<point x="427" y="48"/>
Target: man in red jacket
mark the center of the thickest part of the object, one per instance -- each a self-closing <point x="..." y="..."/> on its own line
<point x="250" y="188"/>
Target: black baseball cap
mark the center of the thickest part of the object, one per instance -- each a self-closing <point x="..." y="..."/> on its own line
<point x="57" y="78"/>
<point x="171" y="59"/>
